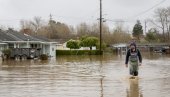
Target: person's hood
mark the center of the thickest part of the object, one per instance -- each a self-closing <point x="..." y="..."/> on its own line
<point x="134" y="44"/>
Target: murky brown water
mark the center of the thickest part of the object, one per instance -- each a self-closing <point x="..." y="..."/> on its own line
<point x="85" y="76"/>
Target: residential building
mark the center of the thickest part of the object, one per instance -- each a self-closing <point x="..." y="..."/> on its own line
<point x="10" y="39"/>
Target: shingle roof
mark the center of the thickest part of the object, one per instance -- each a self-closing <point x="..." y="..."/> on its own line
<point x="5" y="37"/>
<point x="1" y="42"/>
<point x="42" y="38"/>
<point x="11" y="35"/>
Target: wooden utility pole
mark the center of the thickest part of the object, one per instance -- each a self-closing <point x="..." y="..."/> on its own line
<point x="100" y="27"/>
<point x="51" y="28"/>
<point x="145" y="27"/>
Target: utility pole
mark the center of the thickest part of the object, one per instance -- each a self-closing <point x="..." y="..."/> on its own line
<point x="100" y="27"/>
<point x="51" y="17"/>
<point x="50" y="23"/>
<point x="145" y="27"/>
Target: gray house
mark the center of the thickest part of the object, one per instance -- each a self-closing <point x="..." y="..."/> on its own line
<point x="13" y="39"/>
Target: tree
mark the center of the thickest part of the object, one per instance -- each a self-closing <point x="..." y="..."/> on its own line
<point x="32" y="26"/>
<point x="73" y="44"/>
<point x="58" y="30"/>
<point x="137" y="30"/>
<point x="83" y="29"/>
<point x="162" y="17"/>
<point x="36" y="24"/>
<point x="120" y="37"/>
<point x="89" y="42"/>
<point x="152" y="35"/>
<point x="103" y="45"/>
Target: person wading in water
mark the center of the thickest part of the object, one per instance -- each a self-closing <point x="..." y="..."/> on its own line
<point x="135" y="58"/>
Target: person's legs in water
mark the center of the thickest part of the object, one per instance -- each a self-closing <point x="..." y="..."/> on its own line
<point x="135" y="73"/>
<point x="133" y="70"/>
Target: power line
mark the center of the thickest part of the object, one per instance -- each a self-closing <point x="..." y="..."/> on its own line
<point x="149" y="9"/>
<point x="125" y="20"/>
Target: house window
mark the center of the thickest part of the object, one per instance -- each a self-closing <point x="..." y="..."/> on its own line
<point x="11" y="45"/>
<point x="33" y="45"/>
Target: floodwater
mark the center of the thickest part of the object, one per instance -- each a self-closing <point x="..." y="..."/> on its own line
<point x="85" y="76"/>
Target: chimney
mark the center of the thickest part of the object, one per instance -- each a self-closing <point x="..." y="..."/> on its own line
<point x="26" y="31"/>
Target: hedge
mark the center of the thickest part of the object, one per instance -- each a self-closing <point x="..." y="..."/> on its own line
<point x="78" y="52"/>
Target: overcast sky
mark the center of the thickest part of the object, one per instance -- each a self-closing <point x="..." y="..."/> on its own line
<point x="73" y="12"/>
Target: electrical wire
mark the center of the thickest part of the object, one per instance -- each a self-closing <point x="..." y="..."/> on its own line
<point x="149" y="9"/>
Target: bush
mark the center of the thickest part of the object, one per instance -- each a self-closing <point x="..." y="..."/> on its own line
<point x="89" y="42"/>
<point x="7" y="53"/>
<point x="73" y="44"/>
<point x="78" y="52"/>
<point x="103" y="46"/>
<point x="44" y="57"/>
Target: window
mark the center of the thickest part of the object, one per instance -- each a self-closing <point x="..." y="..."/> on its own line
<point x="11" y="45"/>
<point x="34" y="45"/>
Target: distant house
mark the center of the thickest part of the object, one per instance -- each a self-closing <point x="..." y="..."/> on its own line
<point x="62" y="46"/>
<point x="120" y="48"/>
<point x="13" y="39"/>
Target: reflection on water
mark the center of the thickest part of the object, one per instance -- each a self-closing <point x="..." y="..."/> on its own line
<point x="134" y="90"/>
<point x="85" y="76"/>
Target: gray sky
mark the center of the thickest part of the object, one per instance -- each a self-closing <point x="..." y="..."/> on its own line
<point x="73" y="12"/>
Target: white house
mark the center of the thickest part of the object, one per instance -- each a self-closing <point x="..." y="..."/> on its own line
<point x="64" y="47"/>
<point x="121" y="47"/>
<point x="14" y="39"/>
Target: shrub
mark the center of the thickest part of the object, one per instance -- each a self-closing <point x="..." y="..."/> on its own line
<point x="89" y="42"/>
<point x="73" y="44"/>
<point x="7" y="53"/>
<point x="44" y="57"/>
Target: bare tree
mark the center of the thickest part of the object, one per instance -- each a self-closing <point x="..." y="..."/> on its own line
<point x="83" y="29"/>
<point x="119" y="26"/>
<point x="32" y="26"/>
<point x="120" y="35"/>
<point x="36" y="24"/>
<point x="163" y="17"/>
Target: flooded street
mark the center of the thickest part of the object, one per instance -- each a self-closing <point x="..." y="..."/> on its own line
<point x="85" y="76"/>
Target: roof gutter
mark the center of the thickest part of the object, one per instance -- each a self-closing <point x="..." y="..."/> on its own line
<point x="30" y="42"/>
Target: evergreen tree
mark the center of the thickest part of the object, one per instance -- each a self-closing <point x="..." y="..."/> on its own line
<point x="137" y="30"/>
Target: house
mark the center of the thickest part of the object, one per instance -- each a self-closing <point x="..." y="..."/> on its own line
<point x="2" y="46"/>
<point x="14" y="39"/>
<point x="62" y="46"/>
<point x="120" y="48"/>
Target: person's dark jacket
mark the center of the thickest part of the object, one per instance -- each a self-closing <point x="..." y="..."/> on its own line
<point x="128" y="54"/>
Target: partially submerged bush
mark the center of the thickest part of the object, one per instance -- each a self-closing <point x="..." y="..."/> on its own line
<point x="44" y="57"/>
<point x="6" y="53"/>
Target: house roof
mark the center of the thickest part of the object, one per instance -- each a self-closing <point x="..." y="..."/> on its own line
<point x="119" y="45"/>
<point x="11" y="35"/>
<point x="41" y="38"/>
<point x="1" y="42"/>
<point x="5" y="37"/>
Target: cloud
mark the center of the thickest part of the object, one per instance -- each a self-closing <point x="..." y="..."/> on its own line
<point x="73" y="11"/>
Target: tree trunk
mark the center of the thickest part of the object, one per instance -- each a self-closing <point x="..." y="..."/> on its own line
<point x="91" y="48"/>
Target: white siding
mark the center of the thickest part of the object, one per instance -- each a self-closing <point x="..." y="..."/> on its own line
<point x="52" y="50"/>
